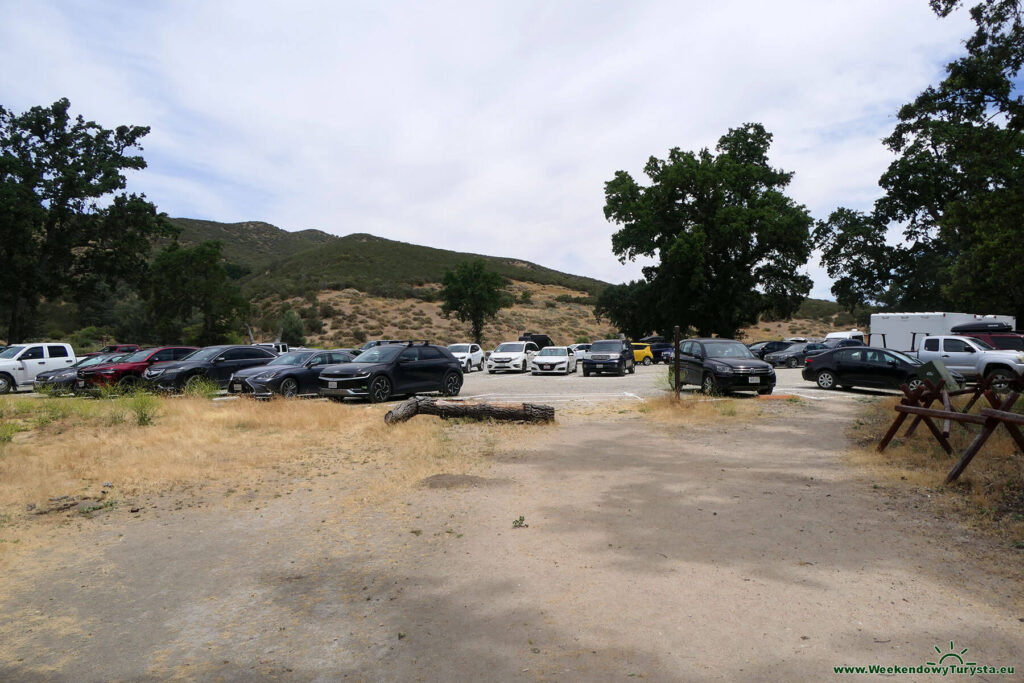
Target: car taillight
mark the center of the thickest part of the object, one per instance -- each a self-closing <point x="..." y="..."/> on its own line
<point x="808" y="359"/>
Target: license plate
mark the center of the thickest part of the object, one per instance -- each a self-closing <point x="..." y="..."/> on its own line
<point x="81" y="382"/>
<point x="332" y="385"/>
<point x="754" y="380"/>
<point x="238" y="387"/>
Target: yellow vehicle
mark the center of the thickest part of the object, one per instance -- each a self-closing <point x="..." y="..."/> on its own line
<point x="642" y="353"/>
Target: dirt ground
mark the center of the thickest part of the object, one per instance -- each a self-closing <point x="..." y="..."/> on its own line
<point x="746" y="550"/>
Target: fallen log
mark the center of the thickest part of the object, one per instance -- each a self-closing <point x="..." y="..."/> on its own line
<point x="424" y="405"/>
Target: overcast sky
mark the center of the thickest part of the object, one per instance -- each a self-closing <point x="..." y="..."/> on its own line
<point x="478" y="126"/>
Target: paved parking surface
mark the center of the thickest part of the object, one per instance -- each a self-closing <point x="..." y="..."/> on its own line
<point x="647" y="382"/>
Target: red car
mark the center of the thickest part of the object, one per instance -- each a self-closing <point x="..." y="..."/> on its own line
<point x="129" y="370"/>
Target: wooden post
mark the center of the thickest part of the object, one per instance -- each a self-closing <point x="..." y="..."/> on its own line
<point x="675" y="358"/>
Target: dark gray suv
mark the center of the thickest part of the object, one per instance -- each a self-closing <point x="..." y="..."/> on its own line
<point x="610" y="355"/>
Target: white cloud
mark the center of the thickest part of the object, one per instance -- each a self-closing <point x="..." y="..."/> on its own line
<point x="480" y="127"/>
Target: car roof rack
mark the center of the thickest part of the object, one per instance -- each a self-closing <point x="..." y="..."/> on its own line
<point x="416" y="342"/>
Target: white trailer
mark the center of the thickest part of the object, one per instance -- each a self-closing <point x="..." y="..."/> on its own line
<point x="903" y="331"/>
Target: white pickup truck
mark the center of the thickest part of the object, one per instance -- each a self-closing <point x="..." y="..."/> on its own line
<point x="19" y="364"/>
<point x="971" y="357"/>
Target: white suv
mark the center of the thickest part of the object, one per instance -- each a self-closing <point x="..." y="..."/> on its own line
<point x="470" y="355"/>
<point x="19" y="364"/>
<point x="512" y="356"/>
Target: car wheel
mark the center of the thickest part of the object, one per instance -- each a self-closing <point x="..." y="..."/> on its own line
<point x="380" y="389"/>
<point x="999" y="380"/>
<point x="490" y="372"/>
<point x="765" y="392"/>
<point x="6" y="384"/>
<point x="289" y="387"/>
<point x="192" y="381"/>
<point x="469" y="366"/>
<point x="128" y="382"/>
<point x="586" y="373"/>
<point x="647" y="361"/>
<point x="480" y="365"/>
<point x="452" y="384"/>
<point x="524" y="366"/>
<point x="826" y="379"/>
<point x="621" y="369"/>
<point x="913" y="383"/>
<point x="708" y="385"/>
<point x="532" y="372"/>
<point x="632" y="368"/>
<point x="792" y="362"/>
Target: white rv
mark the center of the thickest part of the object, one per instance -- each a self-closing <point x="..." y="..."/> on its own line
<point x="903" y="331"/>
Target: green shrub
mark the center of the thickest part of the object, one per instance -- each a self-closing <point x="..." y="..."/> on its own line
<point x="144" y="406"/>
<point x="200" y="387"/>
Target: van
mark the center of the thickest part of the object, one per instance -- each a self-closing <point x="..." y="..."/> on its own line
<point x="854" y="334"/>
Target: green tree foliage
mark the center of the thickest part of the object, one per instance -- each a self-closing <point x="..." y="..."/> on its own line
<point x="473" y="294"/>
<point x="66" y="223"/>
<point x="728" y="242"/>
<point x="956" y="187"/>
<point x="293" y="332"/>
<point x="191" y="295"/>
<point x="632" y="308"/>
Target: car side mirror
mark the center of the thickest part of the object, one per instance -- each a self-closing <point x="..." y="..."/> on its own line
<point x="218" y="359"/>
<point x="698" y="356"/>
<point x="893" y="363"/>
<point x="970" y="349"/>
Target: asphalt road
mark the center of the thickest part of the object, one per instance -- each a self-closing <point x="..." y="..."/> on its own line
<point x="647" y="382"/>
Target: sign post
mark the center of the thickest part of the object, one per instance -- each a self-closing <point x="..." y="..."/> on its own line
<point x="675" y="359"/>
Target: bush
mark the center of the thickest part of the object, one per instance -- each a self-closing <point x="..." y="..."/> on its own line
<point x="201" y="387"/>
<point x="145" y="407"/>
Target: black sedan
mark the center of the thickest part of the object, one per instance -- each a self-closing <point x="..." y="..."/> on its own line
<point x="394" y="369"/>
<point x="763" y="348"/>
<point x="214" y="363"/>
<point x="865" y="366"/>
<point x="723" y="365"/>
<point x="62" y="380"/>
<point x="793" y="355"/>
<point x="290" y="374"/>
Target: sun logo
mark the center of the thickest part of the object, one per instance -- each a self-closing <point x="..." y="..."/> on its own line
<point x="952" y="653"/>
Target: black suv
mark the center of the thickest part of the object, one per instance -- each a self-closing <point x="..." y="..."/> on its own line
<point x="723" y="365"/>
<point x="393" y="369"/>
<point x="541" y="340"/>
<point x="215" y="363"/>
<point x="610" y="355"/>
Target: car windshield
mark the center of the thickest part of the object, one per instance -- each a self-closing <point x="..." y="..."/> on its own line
<point x="11" y="351"/>
<point x="98" y="360"/>
<point x="379" y="354"/>
<point x="511" y="347"/>
<point x="1008" y="343"/>
<point x="138" y="356"/>
<point x="727" y="349"/>
<point x="795" y="347"/>
<point x="606" y="346"/>
<point x="292" y="358"/>
<point x="905" y="358"/>
<point x="209" y="353"/>
<point x="553" y="351"/>
<point x="459" y="348"/>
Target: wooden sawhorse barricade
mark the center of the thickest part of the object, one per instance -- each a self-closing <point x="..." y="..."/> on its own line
<point x="918" y="403"/>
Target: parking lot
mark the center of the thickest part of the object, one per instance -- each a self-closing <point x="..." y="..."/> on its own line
<point x="648" y="381"/>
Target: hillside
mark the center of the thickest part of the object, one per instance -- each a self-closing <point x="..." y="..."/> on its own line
<point x="295" y="263"/>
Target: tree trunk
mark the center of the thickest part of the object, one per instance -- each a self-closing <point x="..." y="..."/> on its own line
<point x="517" y="412"/>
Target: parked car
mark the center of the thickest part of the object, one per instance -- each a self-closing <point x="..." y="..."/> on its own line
<point x="470" y="355"/>
<point x="582" y="351"/>
<point x="662" y="352"/>
<point x="21" y="363"/>
<point x="972" y="358"/>
<point x="295" y="373"/>
<point x="276" y="347"/>
<point x="998" y="335"/>
<point x="512" y="356"/>
<point x="392" y="370"/>
<point x="127" y="370"/>
<point x="115" y="348"/>
<point x="64" y="380"/>
<point x="763" y="348"/>
<point x="610" y="355"/>
<point x="841" y="342"/>
<point x="642" y="353"/>
<point x="724" y="365"/>
<point x="793" y="355"/>
<point x="541" y="340"/>
<point x="554" y="359"/>
<point x="215" y="363"/>
<point x="864" y="366"/>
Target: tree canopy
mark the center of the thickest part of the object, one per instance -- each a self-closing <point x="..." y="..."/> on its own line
<point x="728" y="241"/>
<point x="955" y="188"/>
<point x="66" y="223"/>
<point x="473" y="294"/>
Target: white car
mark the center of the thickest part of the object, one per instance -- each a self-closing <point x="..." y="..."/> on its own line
<point x="554" y="359"/>
<point x="514" y="356"/>
<point x="582" y="351"/>
<point x="19" y="364"/>
<point x="470" y="355"/>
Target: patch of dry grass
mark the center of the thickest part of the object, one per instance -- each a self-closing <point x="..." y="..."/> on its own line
<point x="990" y="493"/>
<point x="700" y="409"/>
<point x="73" y="447"/>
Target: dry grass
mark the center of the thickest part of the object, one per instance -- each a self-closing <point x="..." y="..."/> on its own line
<point x="699" y="409"/>
<point x="72" y="447"/>
<point x="989" y="495"/>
